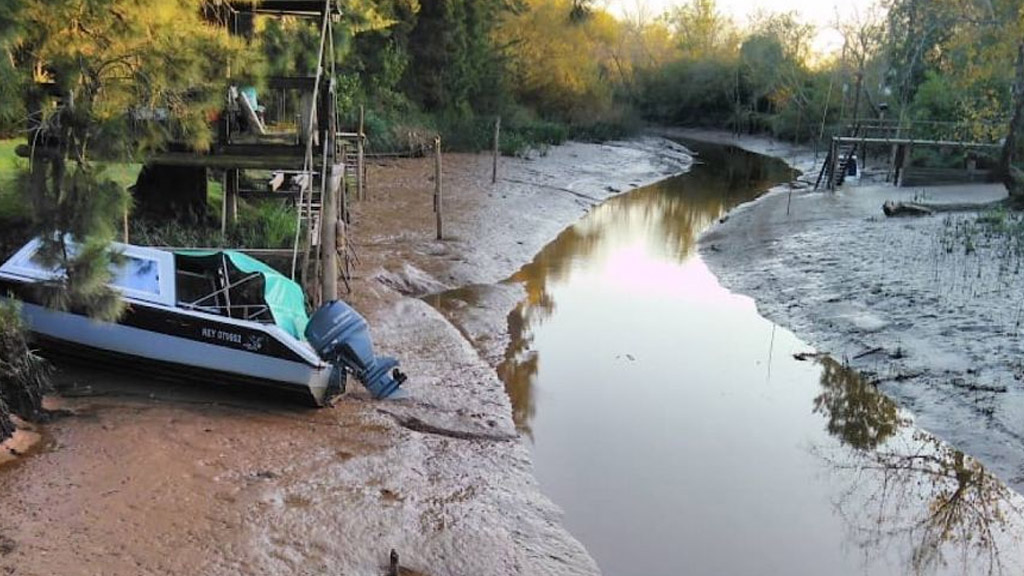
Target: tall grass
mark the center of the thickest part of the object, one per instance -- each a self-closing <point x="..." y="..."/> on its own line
<point x="261" y="224"/>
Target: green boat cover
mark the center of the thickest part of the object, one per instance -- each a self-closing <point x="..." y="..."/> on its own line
<point x="284" y="297"/>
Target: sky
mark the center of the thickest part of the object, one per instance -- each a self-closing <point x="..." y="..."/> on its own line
<point x="821" y="13"/>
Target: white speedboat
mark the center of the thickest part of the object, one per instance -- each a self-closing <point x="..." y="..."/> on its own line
<point x="217" y="316"/>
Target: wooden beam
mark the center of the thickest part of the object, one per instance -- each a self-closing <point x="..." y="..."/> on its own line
<point x="289" y="162"/>
<point x="914" y="142"/>
<point x="296" y="7"/>
<point x="255" y="252"/>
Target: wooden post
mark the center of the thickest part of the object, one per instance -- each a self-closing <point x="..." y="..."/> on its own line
<point x="126" y="223"/>
<point x="497" y="136"/>
<point x="224" y="204"/>
<point x="307" y="113"/>
<point x="438" y="204"/>
<point x="833" y="162"/>
<point x="342" y="248"/>
<point x="231" y="194"/>
<point x="329" y="235"/>
<point x="343" y="212"/>
<point x="360" y="185"/>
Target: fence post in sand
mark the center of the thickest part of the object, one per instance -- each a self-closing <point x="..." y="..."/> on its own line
<point x="438" y="204"/>
<point x="329" y="234"/>
<point x="361" y="192"/>
<point x="497" y="136"/>
<point x="833" y="163"/>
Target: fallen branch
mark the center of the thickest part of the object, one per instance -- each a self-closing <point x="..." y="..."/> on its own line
<point x="558" y="188"/>
<point x="416" y="425"/>
<point x="973" y="387"/>
<point x="868" y="352"/>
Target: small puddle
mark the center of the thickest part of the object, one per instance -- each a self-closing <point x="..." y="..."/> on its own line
<point x="676" y="429"/>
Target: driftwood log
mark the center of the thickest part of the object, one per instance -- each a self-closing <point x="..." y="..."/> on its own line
<point x="906" y="209"/>
<point x="892" y="208"/>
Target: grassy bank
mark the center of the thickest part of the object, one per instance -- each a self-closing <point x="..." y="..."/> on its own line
<point x="261" y="224"/>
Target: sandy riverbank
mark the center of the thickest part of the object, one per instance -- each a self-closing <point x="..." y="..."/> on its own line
<point x="936" y="323"/>
<point x="170" y="479"/>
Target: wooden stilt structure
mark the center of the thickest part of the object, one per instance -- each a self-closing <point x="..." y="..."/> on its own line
<point x="307" y="163"/>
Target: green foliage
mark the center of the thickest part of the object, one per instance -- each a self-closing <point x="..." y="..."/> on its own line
<point x="693" y="92"/>
<point x="290" y="45"/>
<point x="701" y="31"/>
<point x="107" y="60"/>
<point x="24" y="376"/>
<point x="452" y="62"/>
<point x="11" y="206"/>
<point x="754" y="81"/>
<point x="75" y="221"/>
<point x="269" y="224"/>
<point x="261" y="224"/>
<point x="560" y="68"/>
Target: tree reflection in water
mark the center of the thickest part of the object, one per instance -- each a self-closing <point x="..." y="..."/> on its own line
<point x="905" y="485"/>
<point x="666" y="217"/>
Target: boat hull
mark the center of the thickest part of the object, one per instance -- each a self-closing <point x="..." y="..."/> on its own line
<point x="217" y="357"/>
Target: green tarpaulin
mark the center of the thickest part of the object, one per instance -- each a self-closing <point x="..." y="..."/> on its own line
<point x="283" y="296"/>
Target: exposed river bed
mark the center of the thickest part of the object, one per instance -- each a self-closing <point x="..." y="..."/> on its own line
<point x="680" y="432"/>
<point x="665" y="417"/>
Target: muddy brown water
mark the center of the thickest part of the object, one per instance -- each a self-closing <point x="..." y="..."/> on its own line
<point x="681" y="435"/>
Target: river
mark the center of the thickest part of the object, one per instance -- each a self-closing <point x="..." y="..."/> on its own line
<point x="681" y="432"/>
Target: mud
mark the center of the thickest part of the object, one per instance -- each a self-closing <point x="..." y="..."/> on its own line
<point x="155" y="478"/>
<point x="935" y="324"/>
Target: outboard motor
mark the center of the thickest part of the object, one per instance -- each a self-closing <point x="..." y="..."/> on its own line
<point x="341" y="336"/>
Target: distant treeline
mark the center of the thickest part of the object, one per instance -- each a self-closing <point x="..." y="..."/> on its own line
<point x="554" y="69"/>
<point x="559" y="68"/>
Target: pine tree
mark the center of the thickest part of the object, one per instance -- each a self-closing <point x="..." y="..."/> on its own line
<point x="105" y="79"/>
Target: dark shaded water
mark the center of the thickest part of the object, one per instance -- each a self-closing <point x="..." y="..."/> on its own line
<point x="680" y="435"/>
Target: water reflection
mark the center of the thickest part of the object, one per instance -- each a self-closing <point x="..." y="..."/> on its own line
<point x="642" y="383"/>
<point x="667" y="217"/>
<point x="904" y="484"/>
<point x="857" y="413"/>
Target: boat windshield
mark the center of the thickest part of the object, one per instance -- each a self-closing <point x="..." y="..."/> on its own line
<point x="138" y="274"/>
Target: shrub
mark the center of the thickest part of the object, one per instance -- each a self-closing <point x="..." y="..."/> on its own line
<point x="24" y="376"/>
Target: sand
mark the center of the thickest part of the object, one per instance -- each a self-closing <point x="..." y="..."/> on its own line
<point x="152" y="478"/>
<point x="155" y="478"/>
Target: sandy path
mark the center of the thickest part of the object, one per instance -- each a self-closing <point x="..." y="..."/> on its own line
<point x="903" y="300"/>
<point x="153" y="478"/>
